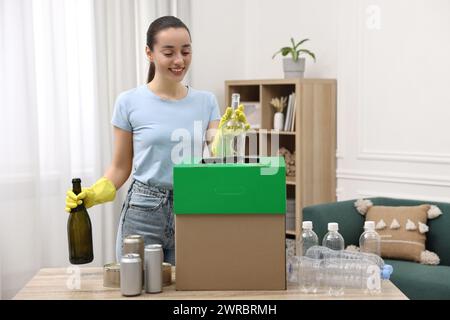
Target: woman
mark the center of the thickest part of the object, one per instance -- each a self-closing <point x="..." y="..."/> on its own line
<point x="148" y="122"/>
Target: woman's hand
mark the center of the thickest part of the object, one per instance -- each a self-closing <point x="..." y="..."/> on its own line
<point x="101" y="191"/>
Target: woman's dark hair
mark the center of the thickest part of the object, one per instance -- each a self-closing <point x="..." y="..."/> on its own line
<point x="157" y="26"/>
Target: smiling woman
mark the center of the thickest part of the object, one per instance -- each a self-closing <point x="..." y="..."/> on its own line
<point x="147" y="121"/>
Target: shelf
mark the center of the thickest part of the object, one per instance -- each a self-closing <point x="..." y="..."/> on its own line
<point x="314" y="135"/>
<point x="289" y="133"/>
<point x="290" y="180"/>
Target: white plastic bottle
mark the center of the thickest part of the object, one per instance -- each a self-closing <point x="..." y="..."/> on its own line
<point x="333" y="239"/>
<point x="370" y="240"/>
<point x="308" y="238"/>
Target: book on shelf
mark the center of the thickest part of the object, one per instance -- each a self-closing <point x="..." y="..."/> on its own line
<point x="289" y="112"/>
<point x="293" y="116"/>
<point x="286" y="118"/>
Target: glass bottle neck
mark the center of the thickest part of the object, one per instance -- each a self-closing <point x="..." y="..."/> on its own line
<point x="80" y="207"/>
<point x="235" y="99"/>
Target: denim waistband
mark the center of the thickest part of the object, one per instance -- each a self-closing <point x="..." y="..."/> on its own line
<point x="146" y="189"/>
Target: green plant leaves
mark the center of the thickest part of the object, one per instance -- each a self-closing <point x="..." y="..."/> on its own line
<point x="300" y="43"/>
<point x="294" y="55"/>
<point x="293" y="43"/>
<point x="293" y="50"/>
<point x="306" y="52"/>
<point x="284" y="51"/>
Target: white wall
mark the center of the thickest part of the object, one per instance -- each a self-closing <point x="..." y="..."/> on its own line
<point x="269" y="25"/>
<point x="217" y="40"/>
<point x="391" y="62"/>
<point x="236" y="39"/>
<point x="394" y="100"/>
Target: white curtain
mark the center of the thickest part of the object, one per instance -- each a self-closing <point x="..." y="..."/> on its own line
<point x="63" y="63"/>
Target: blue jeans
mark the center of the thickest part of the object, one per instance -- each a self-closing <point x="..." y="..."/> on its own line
<point x="148" y="211"/>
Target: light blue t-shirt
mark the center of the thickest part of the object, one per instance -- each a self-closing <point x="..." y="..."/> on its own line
<point x="164" y="131"/>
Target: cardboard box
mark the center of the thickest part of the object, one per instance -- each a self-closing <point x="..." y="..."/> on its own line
<point x="230" y="225"/>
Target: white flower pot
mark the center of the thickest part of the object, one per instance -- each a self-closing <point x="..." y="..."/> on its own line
<point x="278" y="121"/>
<point x="293" y="69"/>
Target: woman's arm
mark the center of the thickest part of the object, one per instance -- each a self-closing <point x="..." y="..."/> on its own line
<point x="211" y="132"/>
<point x="120" y="168"/>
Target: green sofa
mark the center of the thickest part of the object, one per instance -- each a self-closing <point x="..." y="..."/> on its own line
<point x="415" y="280"/>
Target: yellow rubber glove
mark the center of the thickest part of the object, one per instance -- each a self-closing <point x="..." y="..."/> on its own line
<point x="215" y="145"/>
<point x="103" y="190"/>
<point x="237" y="115"/>
<point x="240" y="116"/>
<point x="226" y="116"/>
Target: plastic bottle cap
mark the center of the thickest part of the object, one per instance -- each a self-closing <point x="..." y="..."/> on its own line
<point x="386" y="271"/>
<point x="307" y="225"/>
<point x="333" y="226"/>
<point x="369" y="225"/>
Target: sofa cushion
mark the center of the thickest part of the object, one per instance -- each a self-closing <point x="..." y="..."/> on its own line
<point x="438" y="237"/>
<point x="402" y="229"/>
<point x="397" y="240"/>
<point x="418" y="281"/>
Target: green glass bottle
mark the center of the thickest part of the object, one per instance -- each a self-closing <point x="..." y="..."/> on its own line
<point x="79" y="231"/>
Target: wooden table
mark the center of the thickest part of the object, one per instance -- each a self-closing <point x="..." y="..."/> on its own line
<point x="55" y="283"/>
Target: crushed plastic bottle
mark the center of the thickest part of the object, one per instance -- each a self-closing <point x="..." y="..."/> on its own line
<point x="305" y="272"/>
<point x="350" y="273"/>
<point x="321" y="252"/>
<point x="334" y="275"/>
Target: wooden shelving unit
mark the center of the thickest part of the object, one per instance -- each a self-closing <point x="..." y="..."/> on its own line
<point x="290" y="180"/>
<point x="291" y="232"/>
<point x="314" y="138"/>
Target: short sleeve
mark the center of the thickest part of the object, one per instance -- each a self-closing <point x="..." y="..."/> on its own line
<point x="215" y="112"/>
<point x="120" y="116"/>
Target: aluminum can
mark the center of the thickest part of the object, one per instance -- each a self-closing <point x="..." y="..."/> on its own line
<point x="153" y="268"/>
<point x="134" y="243"/>
<point x="131" y="274"/>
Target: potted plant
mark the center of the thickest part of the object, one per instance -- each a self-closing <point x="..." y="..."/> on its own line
<point x="294" y="67"/>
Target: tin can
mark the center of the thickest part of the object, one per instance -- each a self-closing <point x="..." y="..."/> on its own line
<point x="153" y="268"/>
<point x="111" y="275"/>
<point x="131" y="275"/>
<point x="167" y="274"/>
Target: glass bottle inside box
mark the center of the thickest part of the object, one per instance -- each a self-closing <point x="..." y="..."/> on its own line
<point x="233" y="135"/>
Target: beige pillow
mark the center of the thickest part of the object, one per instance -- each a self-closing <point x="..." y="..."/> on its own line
<point x="402" y="230"/>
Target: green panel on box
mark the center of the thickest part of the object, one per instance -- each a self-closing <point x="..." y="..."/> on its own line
<point x="230" y="188"/>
